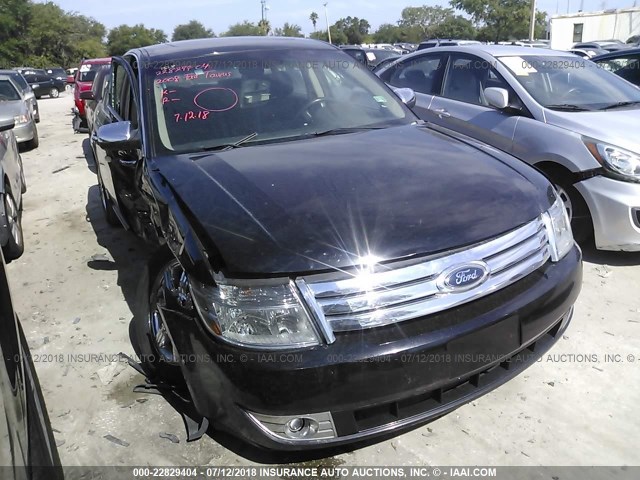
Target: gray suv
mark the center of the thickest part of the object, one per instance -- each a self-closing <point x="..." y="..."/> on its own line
<point x="576" y="122"/>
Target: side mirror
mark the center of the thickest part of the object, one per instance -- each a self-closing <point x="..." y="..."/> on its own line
<point x="6" y="125"/>
<point x="117" y="136"/>
<point x="87" y="95"/>
<point x="406" y="96"/>
<point x="497" y="97"/>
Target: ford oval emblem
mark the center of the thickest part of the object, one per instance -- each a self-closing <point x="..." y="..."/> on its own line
<point x="463" y="277"/>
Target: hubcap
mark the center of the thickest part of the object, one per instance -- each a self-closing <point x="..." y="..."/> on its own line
<point x="13" y="219"/>
<point x="172" y="292"/>
<point x="566" y="200"/>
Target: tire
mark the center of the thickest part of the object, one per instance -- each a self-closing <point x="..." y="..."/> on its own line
<point x="15" y="244"/>
<point x="577" y="209"/>
<point x="23" y="180"/>
<point x="54" y="93"/>
<point x="149" y="333"/>
<point x="107" y="204"/>
<point x="35" y="141"/>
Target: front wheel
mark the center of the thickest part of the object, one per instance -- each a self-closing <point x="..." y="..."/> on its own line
<point x="169" y="290"/>
<point x="15" y="244"/>
<point x="577" y="210"/>
<point x="35" y="141"/>
<point x="54" y="93"/>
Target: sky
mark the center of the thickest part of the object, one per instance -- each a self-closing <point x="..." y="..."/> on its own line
<point x="219" y="14"/>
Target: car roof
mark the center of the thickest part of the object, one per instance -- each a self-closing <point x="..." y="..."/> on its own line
<point x="203" y="46"/>
<point x="96" y="60"/>
<point x="502" y="50"/>
<point x="618" y="53"/>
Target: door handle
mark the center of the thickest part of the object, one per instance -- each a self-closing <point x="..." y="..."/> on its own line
<point x="442" y="113"/>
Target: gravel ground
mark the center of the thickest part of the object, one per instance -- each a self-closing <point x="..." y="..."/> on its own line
<point x="74" y="286"/>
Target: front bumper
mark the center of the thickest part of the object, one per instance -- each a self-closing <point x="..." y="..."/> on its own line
<point x="615" y="211"/>
<point x="381" y="380"/>
<point x="25" y="132"/>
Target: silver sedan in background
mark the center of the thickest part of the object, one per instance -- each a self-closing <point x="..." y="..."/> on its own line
<point x="14" y="107"/>
<point x="576" y="122"/>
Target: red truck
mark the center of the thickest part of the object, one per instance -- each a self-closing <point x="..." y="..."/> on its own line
<point x="83" y="81"/>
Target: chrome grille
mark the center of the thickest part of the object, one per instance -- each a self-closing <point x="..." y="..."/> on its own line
<point x="368" y="299"/>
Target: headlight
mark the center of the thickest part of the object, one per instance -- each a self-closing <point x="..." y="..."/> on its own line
<point x="268" y="316"/>
<point x="558" y="228"/>
<point x="19" y="119"/>
<point x="617" y="159"/>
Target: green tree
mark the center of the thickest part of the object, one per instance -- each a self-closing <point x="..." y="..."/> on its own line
<point x="501" y="19"/>
<point x="59" y="38"/>
<point x="353" y="28"/>
<point x="423" y="20"/>
<point x="314" y="19"/>
<point x="265" y="27"/>
<point x="289" y="30"/>
<point x="245" y="28"/>
<point x="388" y="33"/>
<point x="14" y="18"/>
<point x="125" y="37"/>
<point x="454" y="27"/>
<point x="193" y="29"/>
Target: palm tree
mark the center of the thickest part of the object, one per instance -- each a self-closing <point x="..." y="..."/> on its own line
<point x="314" y="19"/>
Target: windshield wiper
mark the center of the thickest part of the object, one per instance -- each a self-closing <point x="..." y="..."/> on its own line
<point x="568" y="107"/>
<point x="228" y="146"/>
<point x="620" y="104"/>
<point x="343" y="130"/>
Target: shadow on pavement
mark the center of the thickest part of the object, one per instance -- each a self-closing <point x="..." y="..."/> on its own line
<point x="88" y="155"/>
<point x="601" y="257"/>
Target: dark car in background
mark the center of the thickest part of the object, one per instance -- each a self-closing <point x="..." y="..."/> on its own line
<point x="624" y="63"/>
<point x="26" y="90"/>
<point x="323" y="280"/>
<point x="45" y="85"/>
<point x="28" y="447"/>
<point x="58" y="73"/>
<point x="378" y="56"/>
<point x="83" y="80"/>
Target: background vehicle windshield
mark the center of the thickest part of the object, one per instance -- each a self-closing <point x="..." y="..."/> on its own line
<point x="278" y="95"/>
<point x="7" y="91"/>
<point x="555" y="80"/>
<point x="87" y="75"/>
<point x="22" y="83"/>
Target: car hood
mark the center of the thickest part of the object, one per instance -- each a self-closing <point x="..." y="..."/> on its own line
<point x="9" y="110"/>
<point x="323" y="203"/>
<point x="618" y="127"/>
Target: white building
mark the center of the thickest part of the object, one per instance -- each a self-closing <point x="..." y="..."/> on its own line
<point x="588" y="26"/>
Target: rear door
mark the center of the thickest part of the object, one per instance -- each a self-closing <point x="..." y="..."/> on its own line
<point x="461" y="104"/>
<point x="423" y="74"/>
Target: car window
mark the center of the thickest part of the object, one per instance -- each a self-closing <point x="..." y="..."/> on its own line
<point x="278" y="95"/>
<point x="8" y="92"/>
<point x="120" y="81"/>
<point x="467" y="76"/>
<point x="558" y="82"/>
<point x="422" y="74"/>
<point x="22" y="83"/>
<point x="615" y="64"/>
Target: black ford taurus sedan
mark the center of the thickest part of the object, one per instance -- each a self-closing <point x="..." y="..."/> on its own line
<point x="329" y="267"/>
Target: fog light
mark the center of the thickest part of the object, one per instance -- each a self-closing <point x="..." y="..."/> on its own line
<point x="295" y="425"/>
<point x="300" y="428"/>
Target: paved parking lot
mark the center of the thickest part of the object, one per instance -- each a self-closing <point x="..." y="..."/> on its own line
<point x="75" y="288"/>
